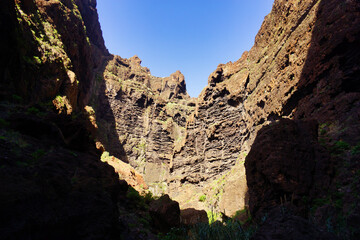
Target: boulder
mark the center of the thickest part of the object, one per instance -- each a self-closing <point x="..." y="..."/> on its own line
<point x="284" y="164"/>
<point x="165" y="213"/>
<point x="192" y="216"/>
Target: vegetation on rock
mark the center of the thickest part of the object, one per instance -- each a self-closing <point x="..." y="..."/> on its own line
<point x="88" y="138"/>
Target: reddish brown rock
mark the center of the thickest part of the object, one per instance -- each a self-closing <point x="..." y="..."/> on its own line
<point x="127" y="173"/>
<point x="198" y="142"/>
<point x="304" y="64"/>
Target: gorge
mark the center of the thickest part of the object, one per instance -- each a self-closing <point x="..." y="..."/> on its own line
<point x="279" y="128"/>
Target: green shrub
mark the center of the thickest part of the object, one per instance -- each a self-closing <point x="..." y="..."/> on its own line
<point x="37" y="60"/>
<point x="134" y="195"/>
<point x="202" y="198"/>
<point x="229" y="230"/>
<point x="244" y="211"/>
<point x="213" y="216"/>
<point x="239" y="212"/>
<point x="218" y="231"/>
<point x="138" y="199"/>
<point x="17" y="98"/>
<point x="33" y="110"/>
<point x="148" y="197"/>
<point x="340" y="147"/>
<point x="104" y="156"/>
<point x="174" y="234"/>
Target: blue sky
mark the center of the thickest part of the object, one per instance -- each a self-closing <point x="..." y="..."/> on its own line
<point x="193" y="36"/>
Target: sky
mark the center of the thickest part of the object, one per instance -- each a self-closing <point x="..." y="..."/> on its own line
<point x="193" y="36"/>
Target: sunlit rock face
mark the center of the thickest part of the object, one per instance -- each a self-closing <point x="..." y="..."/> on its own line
<point x="300" y="67"/>
<point x="303" y="66"/>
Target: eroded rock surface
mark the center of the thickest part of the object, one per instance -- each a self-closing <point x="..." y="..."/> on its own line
<point x="165" y="213"/>
<point x="299" y="67"/>
<point x="286" y="165"/>
<point x="191" y="216"/>
<point x="303" y="65"/>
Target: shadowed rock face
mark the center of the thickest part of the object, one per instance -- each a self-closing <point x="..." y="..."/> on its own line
<point x="286" y="164"/>
<point x="303" y="65"/>
<point x="321" y="93"/>
<point x="53" y="184"/>
<point x="48" y="51"/>
<point x="165" y="213"/>
<point x="299" y="67"/>
<point x="282" y="225"/>
<point x="52" y="188"/>
<point x="191" y="216"/>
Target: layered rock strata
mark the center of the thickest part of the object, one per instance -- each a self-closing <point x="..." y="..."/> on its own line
<point x="299" y="67"/>
<point x="303" y="65"/>
<point x="53" y="183"/>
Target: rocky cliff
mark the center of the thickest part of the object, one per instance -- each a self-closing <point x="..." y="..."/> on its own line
<point x="277" y="128"/>
<point x="300" y="67"/>
<point x="53" y="182"/>
<point x="295" y="70"/>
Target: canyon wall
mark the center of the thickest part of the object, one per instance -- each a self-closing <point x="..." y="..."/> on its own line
<point x="53" y="182"/>
<point x="57" y="75"/>
<point x="298" y="68"/>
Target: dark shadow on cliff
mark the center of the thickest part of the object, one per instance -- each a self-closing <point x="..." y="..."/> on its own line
<point x="329" y="89"/>
<point x="23" y="75"/>
<point x="53" y="184"/>
<point x="89" y="58"/>
<point x="106" y="133"/>
<point x="50" y="189"/>
<point x="290" y="167"/>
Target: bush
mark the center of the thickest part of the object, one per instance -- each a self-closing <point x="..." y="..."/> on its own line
<point x="340" y="147"/>
<point x="202" y="198"/>
<point x="213" y="216"/>
<point x="174" y="234"/>
<point x="17" y="98"/>
<point x="142" y="201"/>
<point x="104" y="156"/>
<point x="134" y="195"/>
<point x="230" y="230"/>
<point x="33" y="110"/>
<point x="216" y="230"/>
<point x="148" y="197"/>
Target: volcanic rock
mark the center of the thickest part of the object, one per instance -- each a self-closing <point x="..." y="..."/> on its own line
<point x="51" y="190"/>
<point x="165" y="213"/>
<point x="303" y="66"/>
<point x="284" y="164"/>
<point x="191" y="216"/>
